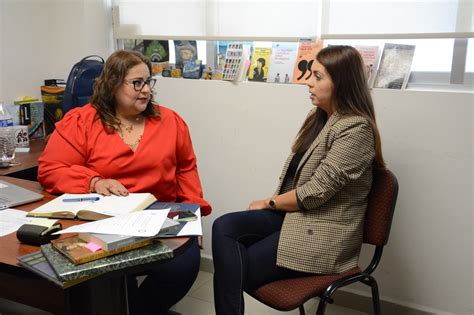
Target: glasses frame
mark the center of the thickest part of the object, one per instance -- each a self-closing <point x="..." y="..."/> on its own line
<point x="139" y="84"/>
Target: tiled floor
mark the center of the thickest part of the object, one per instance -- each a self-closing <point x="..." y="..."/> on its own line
<point x="199" y="301"/>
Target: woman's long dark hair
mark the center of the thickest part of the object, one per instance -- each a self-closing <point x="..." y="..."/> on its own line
<point x="350" y="97"/>
<point x="110" y="80"/>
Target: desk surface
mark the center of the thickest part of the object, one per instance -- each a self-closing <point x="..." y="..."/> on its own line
<point x="21" y="285"/>
<point x="26" y="160"/>
<point x="10" y="247"/>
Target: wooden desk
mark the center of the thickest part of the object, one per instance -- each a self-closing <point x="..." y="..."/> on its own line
<point x="105" y="294"/>
<point x="27" y="167"/>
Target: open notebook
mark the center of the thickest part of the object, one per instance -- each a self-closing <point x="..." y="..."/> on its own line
<point x="104" y="207"/>
<point x="13" y="195"/>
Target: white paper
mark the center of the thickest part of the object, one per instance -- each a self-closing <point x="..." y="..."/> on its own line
<point x="12" y="219"/>
<point x="142" y="223"/>
<point x="193" y="227"/>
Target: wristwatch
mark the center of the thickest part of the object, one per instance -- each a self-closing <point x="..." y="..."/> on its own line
<point x="273" y="203"/>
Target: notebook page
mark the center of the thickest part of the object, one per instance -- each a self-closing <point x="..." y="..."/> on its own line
<point x="117" y="205"/>
<point x="58" y="205"/>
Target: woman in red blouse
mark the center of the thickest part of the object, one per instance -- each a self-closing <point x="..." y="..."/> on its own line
<point x="124" y="142"/>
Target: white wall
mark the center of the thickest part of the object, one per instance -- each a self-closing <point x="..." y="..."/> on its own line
<point x="44" y="39"/>
<point x="2" y="47"/>
<point x="242" y="134"/>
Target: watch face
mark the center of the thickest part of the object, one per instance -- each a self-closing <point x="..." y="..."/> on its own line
<point x="272" y="203"/>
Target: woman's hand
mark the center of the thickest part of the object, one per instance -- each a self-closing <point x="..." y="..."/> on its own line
<point x="109" y="187"/>
<point x="258" y="204"/>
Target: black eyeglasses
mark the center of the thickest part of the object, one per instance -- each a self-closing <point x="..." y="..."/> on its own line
<point x="138" y="84"/>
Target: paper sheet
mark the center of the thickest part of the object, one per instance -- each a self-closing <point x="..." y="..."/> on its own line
<point x="193" y="227"/>
<point x="12" y="219"/>
<point x="141" y="223"/>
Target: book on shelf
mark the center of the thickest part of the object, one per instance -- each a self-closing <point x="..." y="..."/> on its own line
<point x="31" y="113"/>
<point x="192" y="69"/>
<point x="259" y="64"/>
<point x="370" y="55"/>
<point x="111" y="242"/>
<point x="80" y="251"/>
<point x="85" y="207"/>
<point x="282" y="62"/>
<point x="245" y="65"/>
<point x="159" y="54"/>
<point x="188" y="215"/>
<point x="37" y="263"/>
<point x="395" y="65"/>
<point x="308" y="48"/>
<point x="67" y="271"/>
<point x="52" y="97"/>
<point x="233" y="61"/>
<point x="185" y="50"/>
<point x="220" y="59"/>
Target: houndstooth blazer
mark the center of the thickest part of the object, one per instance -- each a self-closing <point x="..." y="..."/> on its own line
<point x="333" y="180"/>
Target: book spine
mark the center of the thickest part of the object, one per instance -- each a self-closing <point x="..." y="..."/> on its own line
<point x="125" y="242"/>
<point x="112" y="245"/>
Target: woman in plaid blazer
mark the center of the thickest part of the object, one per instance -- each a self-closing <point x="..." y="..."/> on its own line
<point x="314" y="221"/>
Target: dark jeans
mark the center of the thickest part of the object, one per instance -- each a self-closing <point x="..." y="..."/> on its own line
<point x="244" y="250"/>
<point x="166" y="284"/>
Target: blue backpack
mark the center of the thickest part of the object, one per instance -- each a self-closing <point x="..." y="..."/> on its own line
<point x="80" y="82"/>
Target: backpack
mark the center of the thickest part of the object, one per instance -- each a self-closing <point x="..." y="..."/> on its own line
<point x="80" y="82"/>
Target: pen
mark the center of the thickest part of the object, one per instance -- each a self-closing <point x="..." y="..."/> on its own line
<point x="81" y="199"/>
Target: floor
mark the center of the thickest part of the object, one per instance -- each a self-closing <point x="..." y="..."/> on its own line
<point x="199" y="301"/>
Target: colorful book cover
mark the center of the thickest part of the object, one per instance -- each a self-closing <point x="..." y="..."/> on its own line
<point x="259" y="64"/>
<point x="282" y="62"/>
<point x="221" y="50"/>
<point x="370" y="55"/>
<point x="395" y="65"/>
<point x="52" y="97"/>
<point x="31" y="114"/>
<point x="233" y="61"/>
<point x="307" y="50"/>
<point x="77" y="251"/>
<point x="246" y="55"/>
<point x="159" y="54"/>
<point x="66" y="270"/>
<point x="185" y="50"/>
<point x="192" y="69"/>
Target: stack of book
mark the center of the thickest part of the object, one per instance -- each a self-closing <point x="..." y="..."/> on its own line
<point x="52" y="265"/>
<point x="77" y="258"/>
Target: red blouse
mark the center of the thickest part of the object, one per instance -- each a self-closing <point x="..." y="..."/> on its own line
<point x="163" y="164"/>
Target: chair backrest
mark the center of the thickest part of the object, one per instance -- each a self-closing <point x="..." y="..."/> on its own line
<point x="381" y="205"/>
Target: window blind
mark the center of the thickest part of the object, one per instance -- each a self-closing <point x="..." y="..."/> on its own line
<point x="217" y="19"/>
<point x="394" y="17"/>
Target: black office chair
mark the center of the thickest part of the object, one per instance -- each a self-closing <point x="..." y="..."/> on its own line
<point x="288" y="294"/>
